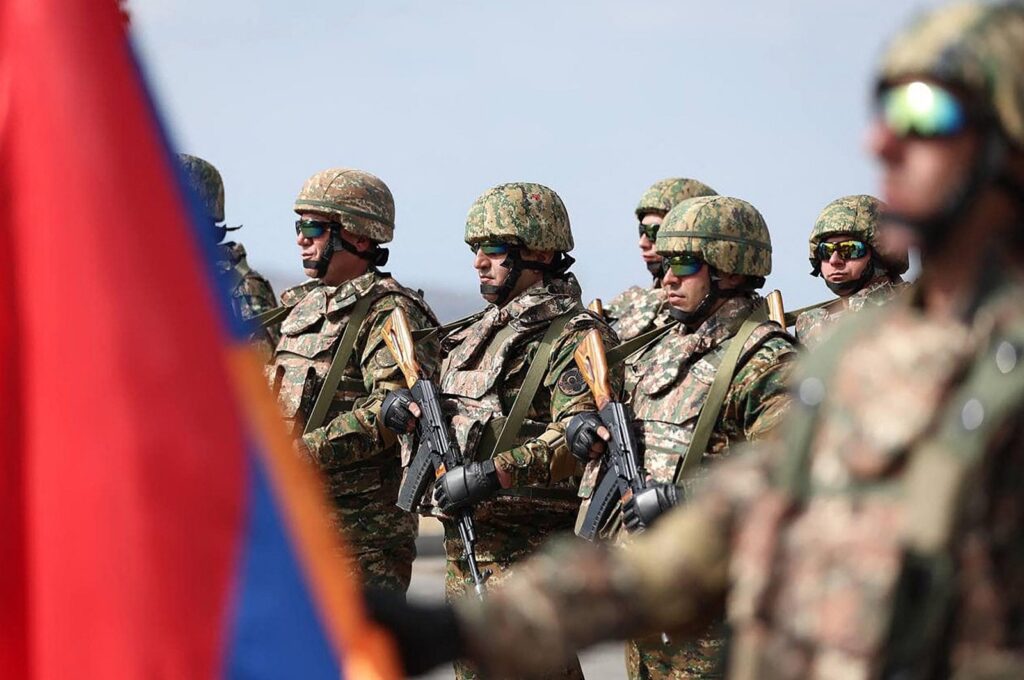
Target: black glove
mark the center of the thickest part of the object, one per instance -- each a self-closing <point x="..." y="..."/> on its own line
<point x="581" y="434"/>
<point x="642" y="509"/>
<point x="466" y="485"/>
<point x="395" y="413"/>
<point x="426" y="635"/>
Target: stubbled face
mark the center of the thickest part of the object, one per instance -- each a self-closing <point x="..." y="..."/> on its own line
<point x="491" y="272"/>
<point x="685" y="293"/>
<point x="837" y="270"/>
<point x="344" y="266"/>
<point x="647" y="245"/>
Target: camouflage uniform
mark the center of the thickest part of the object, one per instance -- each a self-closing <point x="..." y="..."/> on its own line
<point x="668" y="384"/>
<point x="637" y="310"/>
<point x="857" y="217"/>
<point x="251" y="292"/>
<point x="360" y="459"/>
<point x="812" y="325"/>
<point x="880" y="536"/>
<point x="483" y="370"/>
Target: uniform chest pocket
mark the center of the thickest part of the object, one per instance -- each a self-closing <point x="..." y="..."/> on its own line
<point x="472" y="384"/>
<point x="312" y="340"/>
<point x="676" y="398"/>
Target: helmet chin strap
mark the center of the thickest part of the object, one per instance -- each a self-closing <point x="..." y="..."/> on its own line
<point x="377" y="257"/>
<point x="844" y="288"/>
<point x="516" y="265"/>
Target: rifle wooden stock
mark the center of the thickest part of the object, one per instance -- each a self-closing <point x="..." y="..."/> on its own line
<point x="591" y="360"/>
<point x="597" y="307"/>
<point x="398" y="338"/>
<point x="776" y="310"/>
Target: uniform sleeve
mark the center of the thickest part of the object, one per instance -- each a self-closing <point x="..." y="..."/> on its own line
<point x="546" y="459"/>
<point x="760" y="396"/>
<point x="258" y="297"/>
<point x="359" y="434"/>
<point x="572" y="594"/>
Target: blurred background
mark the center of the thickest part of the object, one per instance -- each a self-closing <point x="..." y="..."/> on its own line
<point x="767" y="101"/>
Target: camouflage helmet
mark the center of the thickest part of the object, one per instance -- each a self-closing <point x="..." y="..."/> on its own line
<point x="727" y="233"/>
<point x="858" y="216"/>
<point x="206" y="182"/>
<point x="666" y="194"/>
<point x="361" y="202"/>
<point x="526" y="213"/>
<point x="976" y="46"/>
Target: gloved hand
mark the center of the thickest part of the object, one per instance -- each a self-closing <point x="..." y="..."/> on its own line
<point x="583" y="437"/>
<point x="395" y="411"/>
<point x="426" y="635"/>
<point x="643" y="508"/>
<point x="466" y="485"/>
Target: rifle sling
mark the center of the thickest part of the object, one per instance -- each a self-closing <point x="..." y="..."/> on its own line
<point x="341" y="358"/>
<point x="690" y="460"/>
<point x="626" y="349"/>
<point x="445" y="329"/>
<point x="272" y="316"/>
<point x="531" y="383"/>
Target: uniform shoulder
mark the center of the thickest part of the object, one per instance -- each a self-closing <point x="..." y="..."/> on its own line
<point x="768" y="344"/>
<point x="291" y="296"/>
<point x="390" y="293"/>
<point x="627" y="298"/>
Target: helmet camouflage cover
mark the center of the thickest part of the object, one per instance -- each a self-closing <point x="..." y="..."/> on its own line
<point x="976" y="46"/>
<point x="666" y="194"/>
<point x="526" y="213"/>
<point x="359" y="201"/>
<point x="858" y="216"/>
<point x="727" y="233"/>
<point x="206" y="182"/>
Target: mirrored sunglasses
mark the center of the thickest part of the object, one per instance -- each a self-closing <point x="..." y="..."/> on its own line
<point x="920" y="109"/>
<point x="312" y="228"/>
<point x="489" y="248"/>
<point x="681" y="265"/>
<point x="649" y="230"/>
<point x="848" y="250"/>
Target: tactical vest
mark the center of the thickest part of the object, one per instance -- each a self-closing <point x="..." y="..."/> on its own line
<point x="671" y="392"/>
<point x="309" y="335"/>
<point x="846" y="566"/>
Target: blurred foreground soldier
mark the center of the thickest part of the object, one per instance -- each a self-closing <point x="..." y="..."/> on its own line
<point x="331" y="368"/>
<point x="640" y="309"/>
<point x="715" y="253"/>
<point x="251" y="293"/>
<point x="884" y="536"/>
<point x="847" y="251"/>
<point x="522" y="480"/>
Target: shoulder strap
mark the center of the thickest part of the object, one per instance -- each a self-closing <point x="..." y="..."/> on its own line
<point x="690" y="460"/>
<point x="338" y="363"/>
<point x="790" y="317"/>
<point x="445" y="329"/>
<point x="272" y="316"/>
<point x="630" y="347"/>
<point x="531" y="383"/>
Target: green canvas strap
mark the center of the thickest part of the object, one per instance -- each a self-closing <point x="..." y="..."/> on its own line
<point x="791" y="317"/>
<point x="690" y="460"/>
<point x="341" y="358"/>
<point x="445" y="329"/>
<point x="630" y="347"/>
<point x="272" y="316"/>
<point x="531" y="383"/>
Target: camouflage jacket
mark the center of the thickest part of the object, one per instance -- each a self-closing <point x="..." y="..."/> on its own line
<point x="812" y="325"/>
<point x="637" y="310"/>
<point x="353" y="448"/>
<point x="251" y="293"/>
<point x="482" y="372"/>
<point x="668" y="384"/>
<point x="812" y="579"/>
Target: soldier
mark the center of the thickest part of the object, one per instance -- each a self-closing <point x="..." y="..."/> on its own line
<point x="251" y="293"/>
<point x="638" y="309"/>
<point x="331" y="369"/>
<point x="882" y="537"/>
<point x="522" y="484"/>
<point x="715" y="253"/>
<point x="847" y="251"/>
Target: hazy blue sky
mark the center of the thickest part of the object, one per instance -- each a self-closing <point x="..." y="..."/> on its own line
<point x="767" y="101"/>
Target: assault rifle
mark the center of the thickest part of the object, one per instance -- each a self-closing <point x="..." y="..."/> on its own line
<point x="622" y="477"/>
<point x="437" y="452"/>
